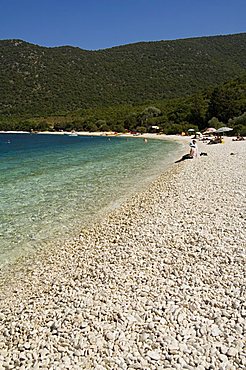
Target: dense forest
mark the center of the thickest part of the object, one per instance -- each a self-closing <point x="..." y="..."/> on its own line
<point x="181" y="84"/>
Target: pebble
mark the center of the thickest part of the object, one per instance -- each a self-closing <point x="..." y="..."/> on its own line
<point x="156" y="284"/>
<point x="154" y="355"/>
<point x="215" y="331"/>
<point x="232" y="352"/>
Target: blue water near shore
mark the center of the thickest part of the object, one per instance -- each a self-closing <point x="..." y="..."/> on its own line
<point x="53" y="185"/>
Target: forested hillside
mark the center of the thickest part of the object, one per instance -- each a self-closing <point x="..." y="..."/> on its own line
<point x="225" y="104"/>
<point x="39" y="81"/>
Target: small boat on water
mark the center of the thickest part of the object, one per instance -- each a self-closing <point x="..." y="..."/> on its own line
<point x="73" y="134"/>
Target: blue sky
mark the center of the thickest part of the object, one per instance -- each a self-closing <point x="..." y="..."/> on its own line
<point x="100" y="24"/>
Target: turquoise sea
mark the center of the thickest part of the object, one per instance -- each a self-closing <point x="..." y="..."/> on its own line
<point x="51" y="186"/>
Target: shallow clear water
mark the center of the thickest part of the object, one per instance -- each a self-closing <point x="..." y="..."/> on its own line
<point x="53" y="185"/>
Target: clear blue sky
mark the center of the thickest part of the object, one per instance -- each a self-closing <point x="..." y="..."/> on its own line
<point x="100" y="24"/>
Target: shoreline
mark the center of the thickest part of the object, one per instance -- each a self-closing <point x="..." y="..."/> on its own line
<point x="104" y="133"/>
<point x="7" y="267"/>
<point x="159" y="282"/>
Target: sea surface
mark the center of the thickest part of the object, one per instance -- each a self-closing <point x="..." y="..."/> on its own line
<point x="51" y="186"/>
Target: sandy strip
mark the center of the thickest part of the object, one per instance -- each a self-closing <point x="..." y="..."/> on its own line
<point x="159" y="284"/>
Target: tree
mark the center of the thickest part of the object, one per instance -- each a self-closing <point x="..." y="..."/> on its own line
<point x="239" y="124"/>
<point x="130" y="121"/>
<point x="119" y="127"/>
<point x="197" y="113"/>
<point x="214" y="122"/>
<point x="102" y="125"/>
<point x="141" y="129"/>
<point x="222" y="105"/>
<point x="92" y="127"/>
<point x="43" y="126"/>
<point x="152" y="112"/>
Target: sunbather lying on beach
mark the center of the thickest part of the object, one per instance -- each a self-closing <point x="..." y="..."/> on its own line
<point x="216" y="140"/>
<point x="238" y="138"/>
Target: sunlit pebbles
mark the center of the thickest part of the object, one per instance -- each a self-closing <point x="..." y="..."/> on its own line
<point x="157" y="284"/>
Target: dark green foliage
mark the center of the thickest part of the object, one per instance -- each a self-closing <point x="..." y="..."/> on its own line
<point x="222" y="105"/>
<point x="239" y="125"/>
<point x="141" y="129"/>
<point x="152" y="112"/>
<point x="215" y="123"/>
<point x="228" y="104"/>
<point x="43" y="81"/>
<point x="102" y="125"/>
<point x="35" y="96"/>
<point x="174" y="115"/>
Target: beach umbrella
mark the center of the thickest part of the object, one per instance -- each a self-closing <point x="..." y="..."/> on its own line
<point x="209" y="130"/>
<point x="191" y="130"/>
<point x="221" y="130"/>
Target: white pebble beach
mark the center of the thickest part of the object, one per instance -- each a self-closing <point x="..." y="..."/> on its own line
<point x="160" y="283"/>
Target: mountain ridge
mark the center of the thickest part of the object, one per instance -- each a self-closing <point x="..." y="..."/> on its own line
<point x="123" y="45"/>
<point x="47" y="80"/>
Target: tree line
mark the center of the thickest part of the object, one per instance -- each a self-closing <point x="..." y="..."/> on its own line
<point x="219" y="106"/>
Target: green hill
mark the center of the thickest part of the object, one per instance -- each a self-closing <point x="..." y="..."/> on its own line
<point x="37" y="80"/>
